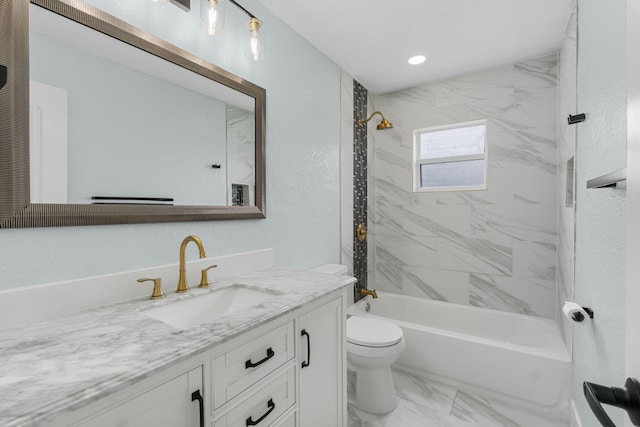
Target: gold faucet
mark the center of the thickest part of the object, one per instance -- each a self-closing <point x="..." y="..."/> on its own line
<point x="157" y="287"/>
<point x="366" y="292"/>
<point x="204" y="279"/>
<point x="182" y="280"/>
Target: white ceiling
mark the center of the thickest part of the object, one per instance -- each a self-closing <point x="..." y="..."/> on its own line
<point x="372" y="39"/>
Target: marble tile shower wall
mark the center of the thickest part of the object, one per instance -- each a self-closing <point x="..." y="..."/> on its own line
<point x="495" y="248"/>
<point x="346" y="171"/>
<point x="567" y="104"/>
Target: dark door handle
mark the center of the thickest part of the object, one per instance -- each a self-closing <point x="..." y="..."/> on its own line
<point x="249" y="364"/>
<point x="627" y="398"/>
<point x="308" y="361"/>
<point x="197" y="396"/>
<point x="3" y="76"/>
<point x="271" y="407"/>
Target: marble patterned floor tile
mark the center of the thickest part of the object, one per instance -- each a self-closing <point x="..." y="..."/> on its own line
<point x="427" y="393"/>
<point x="492" y="413"/>
<point x="406" y="414"/>
<point x="428" y="403"/>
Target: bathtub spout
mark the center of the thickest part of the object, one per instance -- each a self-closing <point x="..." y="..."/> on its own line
<point x="366" y="292"/>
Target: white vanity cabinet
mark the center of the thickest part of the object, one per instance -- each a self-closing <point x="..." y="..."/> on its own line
<point x="322" y="364"/>
<point x="172" y="403"/>
<point x="288" y="372"/>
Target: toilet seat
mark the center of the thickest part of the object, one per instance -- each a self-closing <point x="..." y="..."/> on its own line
<point x="370" y="332"/>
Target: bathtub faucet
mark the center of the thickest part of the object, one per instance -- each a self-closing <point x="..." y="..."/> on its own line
<point x="366" y="292"/>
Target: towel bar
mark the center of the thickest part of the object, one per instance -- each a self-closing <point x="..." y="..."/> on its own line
<point x="608" y="180"/>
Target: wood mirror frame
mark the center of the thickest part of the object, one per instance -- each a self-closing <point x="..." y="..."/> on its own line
<point x="16" y="210"/>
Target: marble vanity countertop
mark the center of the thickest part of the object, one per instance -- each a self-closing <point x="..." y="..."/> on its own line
<point x="62" y="364"/>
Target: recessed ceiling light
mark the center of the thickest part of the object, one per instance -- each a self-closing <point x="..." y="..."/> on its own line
<point x="418" y="59"/>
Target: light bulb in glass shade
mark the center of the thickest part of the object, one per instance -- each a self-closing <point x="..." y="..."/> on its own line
<point x="255" y="49"/>
<point x="211" y="17"/>
<point x="160" y="1"/>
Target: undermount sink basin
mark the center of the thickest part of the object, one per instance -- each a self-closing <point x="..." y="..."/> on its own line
<point x="207" y="308"/>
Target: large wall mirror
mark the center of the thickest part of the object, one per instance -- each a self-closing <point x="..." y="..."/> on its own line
<point x="102" y="123"/>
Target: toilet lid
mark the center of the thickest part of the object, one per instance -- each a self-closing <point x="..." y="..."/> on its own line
<point x="372" y="332"/>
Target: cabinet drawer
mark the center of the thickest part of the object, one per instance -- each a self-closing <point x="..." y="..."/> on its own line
<point x="262" y="407"/>
<point x="286" y="421"/>
<point x="236" y="370"/>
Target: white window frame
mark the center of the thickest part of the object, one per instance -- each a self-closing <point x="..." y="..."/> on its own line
<point x="417" y="162"/>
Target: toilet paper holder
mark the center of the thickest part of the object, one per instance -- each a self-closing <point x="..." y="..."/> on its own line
<point x="579" y="317"/>
<point x="576" y="312"/>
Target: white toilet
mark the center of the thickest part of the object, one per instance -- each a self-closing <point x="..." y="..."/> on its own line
<point x="372" y="346"/>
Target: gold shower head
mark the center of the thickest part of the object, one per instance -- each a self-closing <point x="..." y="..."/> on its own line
<point x="384" y="124"/>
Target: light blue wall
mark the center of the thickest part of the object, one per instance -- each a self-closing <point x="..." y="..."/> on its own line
<point x="303" y="130"/>
<point x="600" y="213"/>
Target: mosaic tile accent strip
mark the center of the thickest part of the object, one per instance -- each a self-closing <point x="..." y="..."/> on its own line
<point x="359" y="184"/>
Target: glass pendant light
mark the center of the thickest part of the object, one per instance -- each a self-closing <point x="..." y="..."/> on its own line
<point x="255" y="50"/>
<point x="212" y="16"/>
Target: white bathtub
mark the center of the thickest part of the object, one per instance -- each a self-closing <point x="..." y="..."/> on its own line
<point x="509" y="354"/>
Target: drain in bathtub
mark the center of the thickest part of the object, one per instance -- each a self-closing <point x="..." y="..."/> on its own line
<point x="367" y="307"/>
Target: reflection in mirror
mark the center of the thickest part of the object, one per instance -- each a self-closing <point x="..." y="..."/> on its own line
<point x="116" y="135"/>
<point x="113" y="124"/>
<point x="241" y="154"/>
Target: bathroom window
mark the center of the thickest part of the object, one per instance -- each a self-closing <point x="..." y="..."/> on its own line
<point x="452" y="157"/>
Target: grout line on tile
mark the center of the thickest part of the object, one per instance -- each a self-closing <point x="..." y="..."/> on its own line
<point x="453" y="403"/>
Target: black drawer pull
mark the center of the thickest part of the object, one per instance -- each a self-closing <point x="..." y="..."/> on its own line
<point x="197" y="396"/>
<point x="249" y="364"/>
<point x="308" y="361"/>
<point x="3" y="76"/>
<point x="271" y="406"/>
<point x="627" y="398"/>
